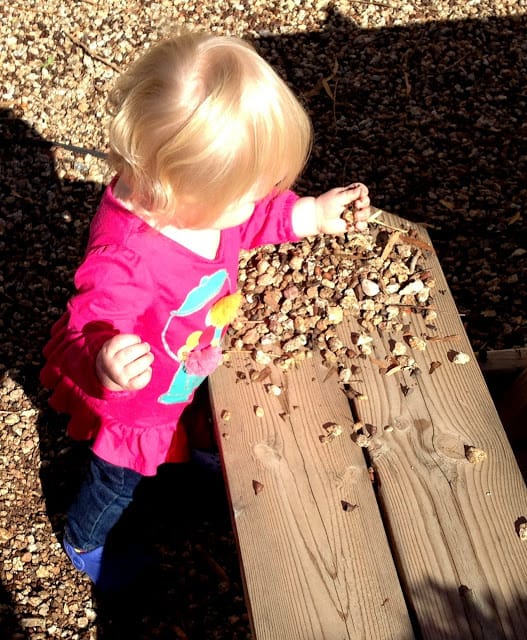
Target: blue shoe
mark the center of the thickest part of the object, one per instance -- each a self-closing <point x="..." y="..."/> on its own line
<point x="112" y="570"/>
<point x="89" y="562"/>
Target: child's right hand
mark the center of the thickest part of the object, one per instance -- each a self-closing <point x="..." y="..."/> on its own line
<point x="124" y="363"/>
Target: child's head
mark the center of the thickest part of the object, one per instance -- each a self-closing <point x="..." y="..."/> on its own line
<point x="198" y="122"/>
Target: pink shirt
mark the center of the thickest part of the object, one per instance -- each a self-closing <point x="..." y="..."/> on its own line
<point x="135" y="280"/>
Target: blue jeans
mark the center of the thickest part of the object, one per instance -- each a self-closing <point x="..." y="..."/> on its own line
<point x="104" y="495"/>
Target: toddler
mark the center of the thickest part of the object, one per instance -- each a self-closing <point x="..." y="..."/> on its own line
<point x="206" y="141"/>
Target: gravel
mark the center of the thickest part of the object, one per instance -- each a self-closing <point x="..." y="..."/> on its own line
<point x="424" y="101"/>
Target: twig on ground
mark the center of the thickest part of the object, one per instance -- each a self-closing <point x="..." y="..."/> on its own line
<point x="91" y="54"/>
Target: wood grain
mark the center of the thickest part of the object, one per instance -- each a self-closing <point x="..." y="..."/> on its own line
<point x="314" y="570"/>
<point x="453" y="524"/>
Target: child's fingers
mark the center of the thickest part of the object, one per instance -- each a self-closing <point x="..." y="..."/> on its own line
<point x="124" y="362"/>
<point x="362" y="203"/>
<point x="334" y="226"/>
<point x="357" y="194"/>
<point x="129" y="354"/>
<point x="138" y="366"/>
<point x="335" y="201"/>
<point x="353" y="186"/>
<point x="356" y="190"/>
<point x="120" y="342"/>
<point x="362" y="212"/>
<point x="141" y="380"/>
<point x="361" y="206"/>
<point x="361" y="225"/>
<point x="134" y="365"/>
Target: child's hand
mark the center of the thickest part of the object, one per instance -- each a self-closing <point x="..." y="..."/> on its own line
<point x="124" y="363"/>
<point x="331" y="205"/>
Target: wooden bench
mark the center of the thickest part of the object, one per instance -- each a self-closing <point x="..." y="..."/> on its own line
<point x="404" y="539"/>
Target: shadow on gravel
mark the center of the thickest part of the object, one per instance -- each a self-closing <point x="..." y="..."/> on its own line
<point x="9" y="623"/>
<point x="180" y="516"/>
<point x="430" y="116"/>
<point x="44" y="223"/>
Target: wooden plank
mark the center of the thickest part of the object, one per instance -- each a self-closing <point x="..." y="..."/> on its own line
<point x="512" y="408"/>
<point x="453" y="524"/>
<point x="312" y="569"/>
<point x="503" y="360"/>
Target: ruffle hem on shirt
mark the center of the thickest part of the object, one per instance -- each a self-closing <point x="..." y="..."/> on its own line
<point x="137" y="448"/>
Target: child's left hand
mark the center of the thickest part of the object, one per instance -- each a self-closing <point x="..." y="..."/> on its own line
<point x="331" y="205"/>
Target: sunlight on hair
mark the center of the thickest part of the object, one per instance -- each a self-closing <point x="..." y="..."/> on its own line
<point x="200" y="121"/>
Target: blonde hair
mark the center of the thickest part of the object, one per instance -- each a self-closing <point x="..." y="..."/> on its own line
<point x="198" y="122"/>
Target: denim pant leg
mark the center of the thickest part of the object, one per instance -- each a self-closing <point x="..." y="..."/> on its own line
<point x="105" y="493"/>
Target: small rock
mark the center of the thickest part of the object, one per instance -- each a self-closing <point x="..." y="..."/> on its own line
<point x="458" y="357"/>
<point x="475" y="455"/>
<point x="412" y="288"/>
<point x="43" y="572"/>
<point x="370" y="287"/>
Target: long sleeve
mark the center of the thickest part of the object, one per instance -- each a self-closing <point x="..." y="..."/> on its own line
<point x="271" y="222"/>
<point x="111" y="285"/>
